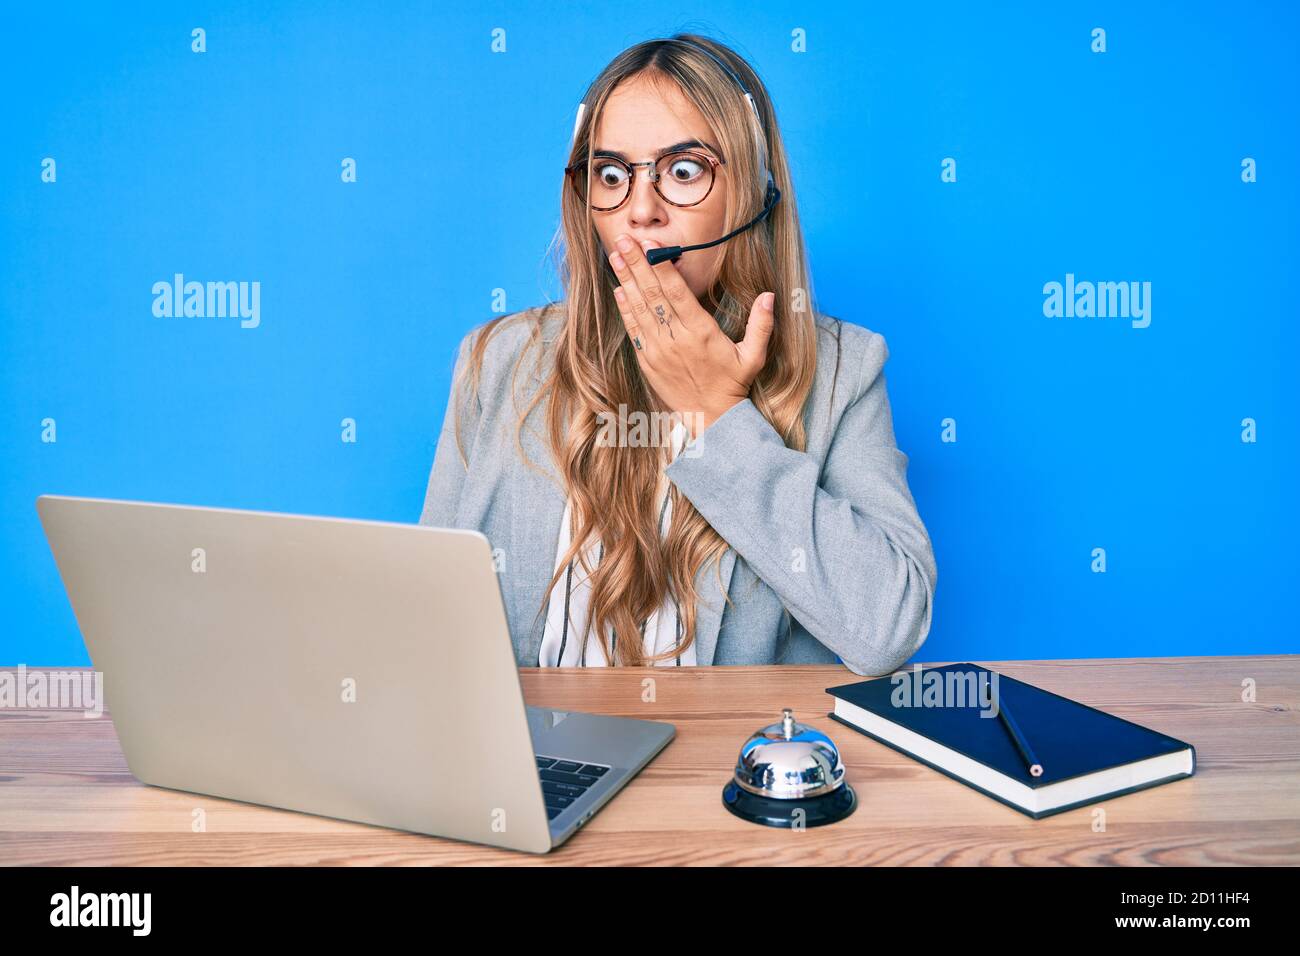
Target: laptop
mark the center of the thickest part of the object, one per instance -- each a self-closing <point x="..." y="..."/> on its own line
<point x="361" y="670"/>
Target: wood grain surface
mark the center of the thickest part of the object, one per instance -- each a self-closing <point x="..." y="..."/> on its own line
<point x="67" y="798"/>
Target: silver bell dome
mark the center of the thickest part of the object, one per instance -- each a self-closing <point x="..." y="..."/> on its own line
<point x="789" y="761"/>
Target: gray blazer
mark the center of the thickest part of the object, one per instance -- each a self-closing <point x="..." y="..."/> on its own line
<point x="830" y="534"/>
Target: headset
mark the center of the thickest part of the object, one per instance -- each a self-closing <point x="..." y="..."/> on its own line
<point x="770" y="198"/>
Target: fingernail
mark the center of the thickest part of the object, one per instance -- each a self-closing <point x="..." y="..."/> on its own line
<point x="624" y="243"/>
<point x="769" y="299"/>
<point x="647" y="244"/>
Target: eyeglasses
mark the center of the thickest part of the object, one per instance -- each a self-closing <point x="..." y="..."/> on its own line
<point x="682" y="179"/>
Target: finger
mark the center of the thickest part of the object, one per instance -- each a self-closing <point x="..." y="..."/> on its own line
<point x="635" y="305"/>
<point x="648" y="284"/>
<point x="758" y="333"/>
<point x="674" y="287"/>
<point x="634" y="333"/>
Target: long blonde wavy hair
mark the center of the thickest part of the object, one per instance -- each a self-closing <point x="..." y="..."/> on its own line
<point x="612" y="488"/>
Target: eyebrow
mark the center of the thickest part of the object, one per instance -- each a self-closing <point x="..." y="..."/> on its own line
<point x="674" y="148"/>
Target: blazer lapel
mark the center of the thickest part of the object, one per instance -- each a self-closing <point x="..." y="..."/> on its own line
<point x="539" y="526"/>
<point x="708" y="612"/>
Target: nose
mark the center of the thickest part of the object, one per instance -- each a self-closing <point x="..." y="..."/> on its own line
<point x="645" y="207"/>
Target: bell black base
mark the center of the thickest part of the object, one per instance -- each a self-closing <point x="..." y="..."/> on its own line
<point x="772" y="812"/>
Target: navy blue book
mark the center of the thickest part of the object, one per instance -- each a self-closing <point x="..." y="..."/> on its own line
<point x="948" y="718"/>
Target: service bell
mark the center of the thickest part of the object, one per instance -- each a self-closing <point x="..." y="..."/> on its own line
<point x="789" y="775"/>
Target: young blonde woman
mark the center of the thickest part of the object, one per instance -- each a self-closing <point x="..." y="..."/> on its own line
<point x="684" y="463"/>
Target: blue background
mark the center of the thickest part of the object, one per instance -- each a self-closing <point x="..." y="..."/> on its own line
<point x="1072" y="434"/>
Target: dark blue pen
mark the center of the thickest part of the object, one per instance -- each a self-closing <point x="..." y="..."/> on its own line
<point x="1026" y="752"/>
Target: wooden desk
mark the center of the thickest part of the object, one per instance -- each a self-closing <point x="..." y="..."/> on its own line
<point x="66" y="796"/>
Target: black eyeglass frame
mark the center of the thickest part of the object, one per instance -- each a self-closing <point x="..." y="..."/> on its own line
<point x="576" y="169"/>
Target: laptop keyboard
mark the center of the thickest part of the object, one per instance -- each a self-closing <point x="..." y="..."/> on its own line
<point x="564" y="781"/>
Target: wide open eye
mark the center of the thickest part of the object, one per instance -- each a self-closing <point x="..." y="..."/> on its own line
<point x="685" y="178"/>
<point x="685" y="167"/>
<point x="607" y="175"/>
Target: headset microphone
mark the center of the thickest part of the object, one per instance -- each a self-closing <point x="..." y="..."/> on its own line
<point x="673" y="253"/>
<point x="770" y="198"/>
